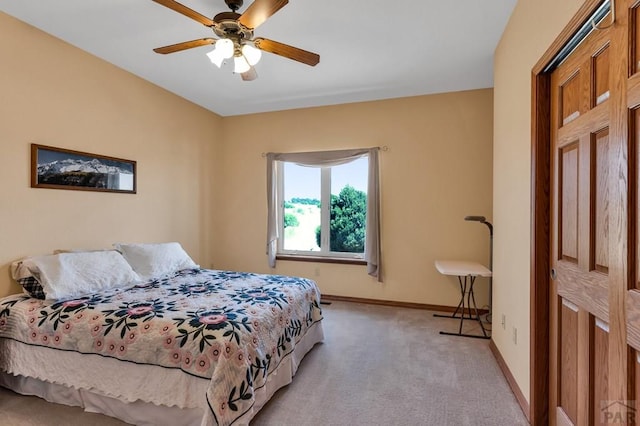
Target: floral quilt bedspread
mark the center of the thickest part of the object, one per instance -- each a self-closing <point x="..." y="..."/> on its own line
<point x="231" y="327"/>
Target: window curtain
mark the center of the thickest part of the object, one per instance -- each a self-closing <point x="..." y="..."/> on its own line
<point x="328" y="159"/>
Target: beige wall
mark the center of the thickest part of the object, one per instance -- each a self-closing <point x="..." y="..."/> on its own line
<point x="532" y="28"/>
<point x="437" y="170"/>
<point x="55" y="94"/>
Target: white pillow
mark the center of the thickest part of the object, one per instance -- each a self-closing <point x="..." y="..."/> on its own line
<point x="156" y="260"/>
<point x="68" y="275"/>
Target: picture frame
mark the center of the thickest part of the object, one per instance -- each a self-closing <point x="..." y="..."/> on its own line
<point x="59" y="168"/>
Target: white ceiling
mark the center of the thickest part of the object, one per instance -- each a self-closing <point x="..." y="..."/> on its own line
<point x="369" y="49"/>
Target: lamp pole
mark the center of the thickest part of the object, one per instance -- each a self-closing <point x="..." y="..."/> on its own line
<point x="483" y="220"/>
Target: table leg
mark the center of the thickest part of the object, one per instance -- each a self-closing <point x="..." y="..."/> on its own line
<point x="466" y="288"/>
<point x="460" y="304"/>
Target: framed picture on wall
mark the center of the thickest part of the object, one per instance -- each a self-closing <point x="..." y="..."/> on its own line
<point x="59" y="168"/>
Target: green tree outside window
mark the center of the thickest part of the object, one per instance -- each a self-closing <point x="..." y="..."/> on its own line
<point x="348" y="215"/>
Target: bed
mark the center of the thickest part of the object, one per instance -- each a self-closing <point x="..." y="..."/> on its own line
<point x="192" y="346"/>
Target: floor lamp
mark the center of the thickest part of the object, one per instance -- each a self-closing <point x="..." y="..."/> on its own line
<point x="483" y="219"/>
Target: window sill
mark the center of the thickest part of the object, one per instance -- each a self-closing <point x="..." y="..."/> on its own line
<point x="321" y="259"/>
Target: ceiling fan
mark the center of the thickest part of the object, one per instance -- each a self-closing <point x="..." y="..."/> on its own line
<point x="235" y="36"/>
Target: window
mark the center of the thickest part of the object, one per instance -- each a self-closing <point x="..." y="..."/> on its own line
<point x="304" y="190"/>
<point x="323" y="209"/>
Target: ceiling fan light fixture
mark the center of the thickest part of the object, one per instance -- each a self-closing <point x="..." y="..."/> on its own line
<point x="241" y="64"/>
<point x="251" y="54"/>
<point x="223" y="49"/>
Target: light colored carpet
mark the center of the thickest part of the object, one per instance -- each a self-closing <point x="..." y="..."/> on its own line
<point x="378" y="365"/>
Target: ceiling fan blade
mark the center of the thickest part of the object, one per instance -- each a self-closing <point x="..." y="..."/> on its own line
<point x="259" y="11"/>
<point x="249" y="75"/>
<point x="287" y="51"/>
<point x="184" y="45"/>
<point x="190" y="13"/>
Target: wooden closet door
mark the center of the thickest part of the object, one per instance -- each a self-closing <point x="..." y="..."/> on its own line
<point x="594" y="307"/>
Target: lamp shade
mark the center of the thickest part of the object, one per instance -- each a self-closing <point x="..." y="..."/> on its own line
<point x="215" y="57"/>
<point x="223" y="49"/>
<point x="225" y="46"/>
<point x="241" y="64"/>
<point x="251" y="54"/>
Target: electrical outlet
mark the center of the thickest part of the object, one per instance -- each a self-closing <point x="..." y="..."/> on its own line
<point x="515" y="336"/>
<point x="504" y="321"/>
<point x="317" y="271"/>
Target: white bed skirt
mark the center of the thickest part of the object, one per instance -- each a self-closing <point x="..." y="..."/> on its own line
<point x="136" y="394"/>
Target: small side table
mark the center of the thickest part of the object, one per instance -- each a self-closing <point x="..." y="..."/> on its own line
<point x="467" y="272"/>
